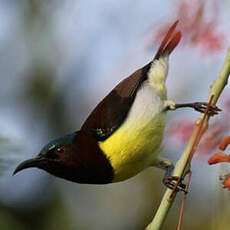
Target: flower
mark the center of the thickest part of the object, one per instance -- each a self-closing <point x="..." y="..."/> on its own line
<point x="225" y="181"/>
<point x="219" y="157"/>
<point x="222" y="157"/>
<point x="199" y="26"/>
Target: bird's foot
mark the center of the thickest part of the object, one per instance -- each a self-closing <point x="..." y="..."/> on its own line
<point x="202" y="107"/>
<point x="171" y="182"/>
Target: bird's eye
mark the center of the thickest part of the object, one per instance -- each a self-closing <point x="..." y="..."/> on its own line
<point x="60" y="149"/>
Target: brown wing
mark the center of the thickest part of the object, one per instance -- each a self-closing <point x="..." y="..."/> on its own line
<point x="110" y="113"/>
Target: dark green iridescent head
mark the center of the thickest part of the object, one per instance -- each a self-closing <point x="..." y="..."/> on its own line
<point x="57" y="143"/>
<point x="57" y="151"/>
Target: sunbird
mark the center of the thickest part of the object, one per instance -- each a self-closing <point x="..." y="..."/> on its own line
<point x="122" y="136"/>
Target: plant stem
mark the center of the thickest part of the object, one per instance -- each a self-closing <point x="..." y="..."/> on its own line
<point x="183" y="164"/>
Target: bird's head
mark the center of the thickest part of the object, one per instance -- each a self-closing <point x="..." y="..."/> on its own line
<point x="56" y="157"/>
<point x="75" y="157"/>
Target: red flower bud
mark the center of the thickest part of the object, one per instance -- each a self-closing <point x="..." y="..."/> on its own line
<point x="224" y="143"/>
<point x="219" y="157"/>
<point x="226" y="181"/>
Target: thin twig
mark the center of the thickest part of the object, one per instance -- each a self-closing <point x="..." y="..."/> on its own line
<point x="183" y="201"/>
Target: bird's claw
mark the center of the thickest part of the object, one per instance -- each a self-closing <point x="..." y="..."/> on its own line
<point x="171" y="182"/>
<point x="202" y="107"/>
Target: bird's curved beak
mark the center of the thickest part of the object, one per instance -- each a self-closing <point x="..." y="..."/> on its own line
<point x="34" y="162"/>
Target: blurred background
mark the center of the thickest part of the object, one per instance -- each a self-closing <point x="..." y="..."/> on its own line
<point x="58" y="59"/>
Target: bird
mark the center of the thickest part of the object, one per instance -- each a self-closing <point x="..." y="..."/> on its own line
<point x="123" y="135"/>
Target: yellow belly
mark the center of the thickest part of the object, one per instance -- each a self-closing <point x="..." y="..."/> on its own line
<point x="133" y="148"/>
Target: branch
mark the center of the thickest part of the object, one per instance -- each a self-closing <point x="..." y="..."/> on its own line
<point x="183" y="164"/>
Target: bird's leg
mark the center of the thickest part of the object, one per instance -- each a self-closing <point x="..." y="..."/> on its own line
<point x="198" y="106"/>
<point x="169" y="181"/>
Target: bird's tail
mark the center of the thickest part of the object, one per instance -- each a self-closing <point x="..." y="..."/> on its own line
<point x="169" y="42"/>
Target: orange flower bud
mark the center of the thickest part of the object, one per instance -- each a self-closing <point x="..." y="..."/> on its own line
<point x="219" y="157"/>
<point x="226" y="181"/>
<point x="224" y="143"/>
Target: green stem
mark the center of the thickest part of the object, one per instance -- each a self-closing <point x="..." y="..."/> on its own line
<point x="185" y="160"/>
